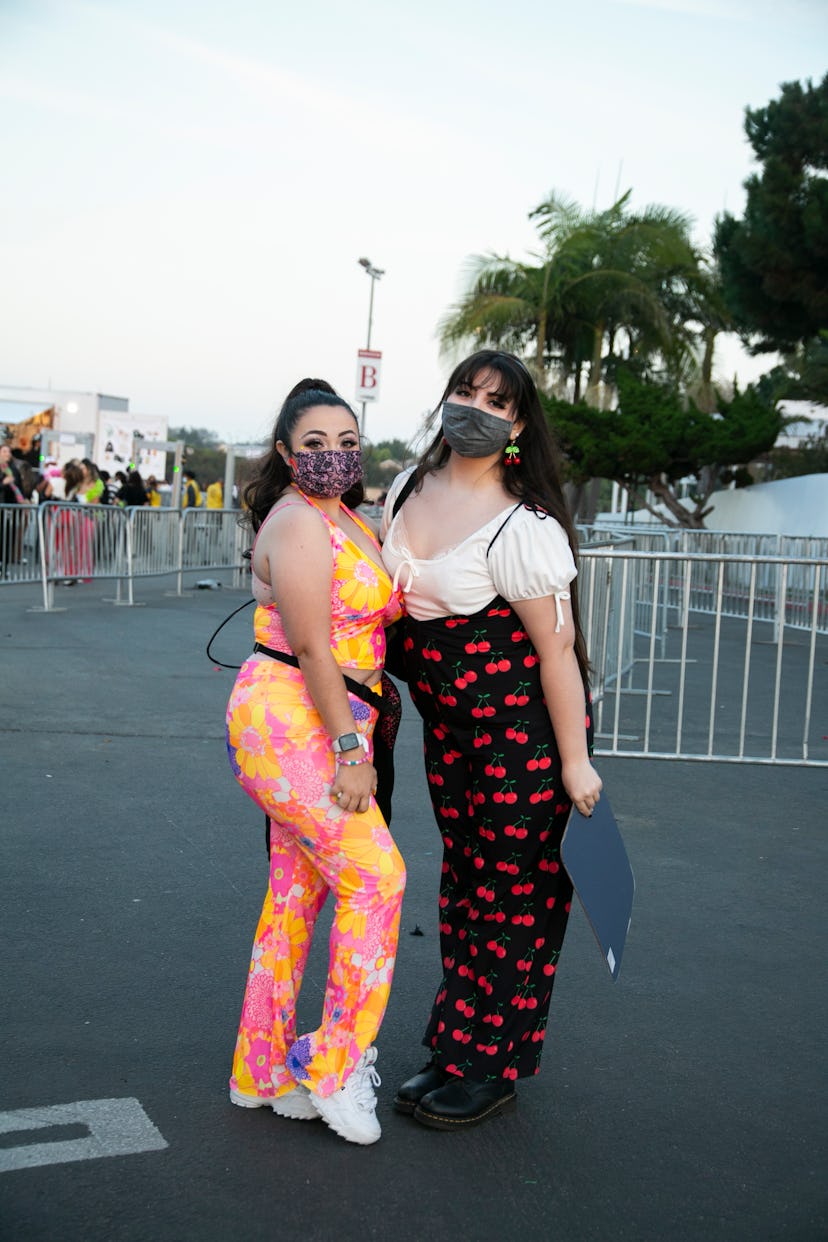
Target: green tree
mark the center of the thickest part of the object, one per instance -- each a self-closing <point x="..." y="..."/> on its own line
<point x="811" y="457"/>
<point x="521" y="307"/>
<point x="382" y="461"/>
<point x="627" y="273"/>
<point x="702" y="309"/>
<point x="655" y="438"/>
<point x="203" y="454"/>
<point x="774" y="261"/>
<point x="194" y="437"/>
<point x="598" y="293"/>
<point x="802" y="375"/>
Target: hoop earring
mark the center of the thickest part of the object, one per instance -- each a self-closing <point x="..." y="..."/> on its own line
<point x="511" y="454"/>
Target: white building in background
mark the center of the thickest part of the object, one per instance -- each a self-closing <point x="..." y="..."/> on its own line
<point x="797" y="506"/>
<point x="84" y="424"/>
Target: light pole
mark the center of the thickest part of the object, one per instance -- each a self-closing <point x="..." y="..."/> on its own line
<point x="375" y="273"/>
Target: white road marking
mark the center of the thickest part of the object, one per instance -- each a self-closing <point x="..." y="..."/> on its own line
<point x="117" y="1128"/>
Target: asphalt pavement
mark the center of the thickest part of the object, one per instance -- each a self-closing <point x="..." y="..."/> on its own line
<point x="684" y="1102"/>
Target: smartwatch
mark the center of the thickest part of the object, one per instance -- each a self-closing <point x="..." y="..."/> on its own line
<point x="349" y="741"/>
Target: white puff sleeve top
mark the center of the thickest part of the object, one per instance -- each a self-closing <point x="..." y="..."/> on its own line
<point x="529" y="559"/>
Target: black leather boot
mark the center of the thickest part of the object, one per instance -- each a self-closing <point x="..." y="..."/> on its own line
<point x="461" y="1102"/>
<point x="411" y="1092"/>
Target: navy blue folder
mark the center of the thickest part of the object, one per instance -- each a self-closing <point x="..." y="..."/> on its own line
<point x="595" y="859"/>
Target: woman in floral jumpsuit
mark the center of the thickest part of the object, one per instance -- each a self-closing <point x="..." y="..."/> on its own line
<point x="300" y="744"/>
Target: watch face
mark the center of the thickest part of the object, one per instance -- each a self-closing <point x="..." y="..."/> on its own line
<point x="348" y="741"/>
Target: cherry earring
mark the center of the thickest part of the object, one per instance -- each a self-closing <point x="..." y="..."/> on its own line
<point x="511" y="454"/>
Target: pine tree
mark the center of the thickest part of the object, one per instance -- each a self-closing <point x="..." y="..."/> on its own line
<point x="774" y="262"/>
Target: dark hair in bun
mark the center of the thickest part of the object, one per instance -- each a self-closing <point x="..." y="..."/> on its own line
<point x="272" y="475"/>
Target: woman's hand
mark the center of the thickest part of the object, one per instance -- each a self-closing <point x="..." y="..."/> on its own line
<point x="353" y="787"/>
<point x="583" y="784"/>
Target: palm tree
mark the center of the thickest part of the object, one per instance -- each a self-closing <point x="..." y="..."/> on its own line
<point x="630" y="264"/>
<point x="521" y="307"/>
<point x="702" y="310"/>
<point x="602" y="279"/>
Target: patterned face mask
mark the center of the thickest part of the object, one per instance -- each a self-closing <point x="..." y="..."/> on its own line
<point x="326" y="472"/>
<point x="474" y="433"/>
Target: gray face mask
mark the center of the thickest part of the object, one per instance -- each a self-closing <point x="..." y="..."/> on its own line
<point x="474" y="433"/>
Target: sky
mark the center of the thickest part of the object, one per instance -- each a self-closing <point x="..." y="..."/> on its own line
<point x="188" y="184"/>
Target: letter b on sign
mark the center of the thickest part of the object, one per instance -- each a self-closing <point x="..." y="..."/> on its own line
<point x="368" y="374"/>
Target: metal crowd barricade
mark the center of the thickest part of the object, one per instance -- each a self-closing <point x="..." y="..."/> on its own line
<point x="605" y="599"/>
<point x="696" y="655"/>
<point x="798" y="551"/>
<point x="212" y="539"/>
<point x="647" y="593"/>
<point x="19" y="544"/>
<point x="153" y="543"/>
<point x="751" y="680"/>
<point x="78" y="543"/>
<point x="70" y="542"/>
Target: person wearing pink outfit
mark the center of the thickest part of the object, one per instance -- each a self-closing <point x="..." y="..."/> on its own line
<point x="300" y="741"/>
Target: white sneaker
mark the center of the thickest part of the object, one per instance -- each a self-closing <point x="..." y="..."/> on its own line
<point x="295" y="1104"/>
<point x="351" y="1111"/>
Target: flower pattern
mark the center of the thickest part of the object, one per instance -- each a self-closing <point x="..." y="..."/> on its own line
<point x="281" y="755"/>
<point x="363" y="602"/>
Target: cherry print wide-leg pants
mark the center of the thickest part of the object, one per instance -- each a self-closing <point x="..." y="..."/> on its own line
<point x="281" y="755"/>
<point x="494" y="777"/>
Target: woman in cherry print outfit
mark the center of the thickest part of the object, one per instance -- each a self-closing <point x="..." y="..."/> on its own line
<point x="484" y="550"/>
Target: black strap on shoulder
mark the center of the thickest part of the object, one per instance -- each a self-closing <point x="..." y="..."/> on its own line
<point x="405" y="491"/>
<point x="507" y="518"/>
<point x="408" y="487"/>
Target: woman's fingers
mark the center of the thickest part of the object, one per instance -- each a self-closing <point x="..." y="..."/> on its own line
<point x="587" y="804"/>
<point x="353" y="806"/>
<point x="354" y="802"/>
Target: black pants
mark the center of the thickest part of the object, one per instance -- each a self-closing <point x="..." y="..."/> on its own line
<point x="494" y="776"/>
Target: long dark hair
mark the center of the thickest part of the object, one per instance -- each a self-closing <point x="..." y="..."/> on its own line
<point x="73" y="475"/>
<point x="537" y="480"/>
<point x="271" y="474"/>
<point x="133" y="492"/>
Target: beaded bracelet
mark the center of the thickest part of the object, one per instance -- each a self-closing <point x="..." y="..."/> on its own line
<point x="351" y="763"/>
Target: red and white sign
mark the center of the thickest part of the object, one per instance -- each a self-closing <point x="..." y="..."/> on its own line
<point x="368" y="374"/>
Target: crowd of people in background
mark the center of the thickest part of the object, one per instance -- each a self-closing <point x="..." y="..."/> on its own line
<point x="27" y="479"/>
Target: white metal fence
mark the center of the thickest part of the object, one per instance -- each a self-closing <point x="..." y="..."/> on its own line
<point x="66" y="543"/>
<point x="705" y="648"/>
<point x="768" y="553"/>
<point x="703" y="667"/>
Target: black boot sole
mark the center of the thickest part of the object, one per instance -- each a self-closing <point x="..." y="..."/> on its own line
<point x="407" y="1104"/>
<point x="404" y="1106"/>
<point x="437" y="1122"/>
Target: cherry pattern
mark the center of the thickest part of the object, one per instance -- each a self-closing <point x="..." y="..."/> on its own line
<point x="494" y="777"/>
